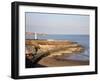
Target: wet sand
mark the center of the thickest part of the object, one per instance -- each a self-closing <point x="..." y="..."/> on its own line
<point x="53" y="62"/>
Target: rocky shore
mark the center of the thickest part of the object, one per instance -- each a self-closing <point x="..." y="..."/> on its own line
<point x="50" y="50"/>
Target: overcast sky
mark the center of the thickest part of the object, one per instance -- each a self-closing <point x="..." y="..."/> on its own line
<point x="57" y="23"/>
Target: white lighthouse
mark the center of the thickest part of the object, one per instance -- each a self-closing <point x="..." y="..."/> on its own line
<point x="35" y="35"/>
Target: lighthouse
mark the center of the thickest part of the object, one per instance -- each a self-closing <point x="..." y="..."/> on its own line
<point x="36" y="36"/>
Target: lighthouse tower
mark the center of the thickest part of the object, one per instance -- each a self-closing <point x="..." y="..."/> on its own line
<point x="35" y="35"/>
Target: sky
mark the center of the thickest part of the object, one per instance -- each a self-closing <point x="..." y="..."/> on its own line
<point x="57" y="23"/>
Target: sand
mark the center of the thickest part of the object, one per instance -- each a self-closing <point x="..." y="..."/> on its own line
<point x="56" y="50"/>
<point x="52" y="62"/>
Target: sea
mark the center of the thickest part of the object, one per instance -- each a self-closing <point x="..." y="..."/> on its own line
<point x="80" y="39"/>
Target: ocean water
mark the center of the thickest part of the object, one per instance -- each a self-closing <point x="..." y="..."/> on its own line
<point x="80" y="39"/>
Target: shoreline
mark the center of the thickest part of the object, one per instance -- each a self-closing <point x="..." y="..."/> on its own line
<point x="57" y="48"/>
<point x="52" y="62"/>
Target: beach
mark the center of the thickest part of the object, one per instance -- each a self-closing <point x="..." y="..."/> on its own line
<point x="52" y="62"/>
<point x="52" y="53"/>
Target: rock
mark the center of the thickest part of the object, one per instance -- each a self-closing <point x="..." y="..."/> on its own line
<point x="30" y="49"/>
<point x="52" y="48"/>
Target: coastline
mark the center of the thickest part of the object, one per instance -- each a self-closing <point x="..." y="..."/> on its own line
<point x="53" y="62"/>
<point x="57" y="48"/>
